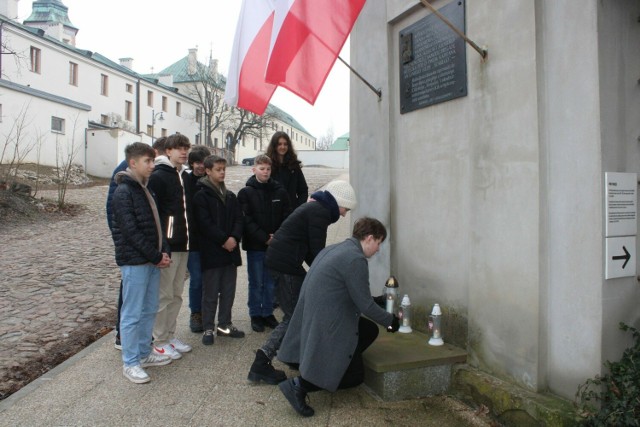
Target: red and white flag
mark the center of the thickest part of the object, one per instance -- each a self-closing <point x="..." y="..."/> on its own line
<point x="246" y="86"/>
<point x="306" y="40"/>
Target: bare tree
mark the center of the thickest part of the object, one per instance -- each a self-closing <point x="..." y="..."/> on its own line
<point x="207" y="88"/>
<point x="65" y="156"/>
<point x="39" y="140"/>
<point x="115" y="119"/>
<point x="325" y="141"/>
<point x="7" y="50"/>
<point x="17" y="143"/>
<point x="245" y="123"/>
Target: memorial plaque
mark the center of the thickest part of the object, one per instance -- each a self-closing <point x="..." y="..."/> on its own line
<point x="433" y="60"/>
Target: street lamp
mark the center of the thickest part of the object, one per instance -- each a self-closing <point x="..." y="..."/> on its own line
<point x="155" y="116"/>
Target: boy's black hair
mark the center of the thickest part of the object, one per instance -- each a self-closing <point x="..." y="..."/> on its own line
<point x="137" y="150"/>
<point x="197" y="154"/>
<point x="158" y="145"/>
<point x="177" y="140"/>
<point x="366" y="226"/>
<point x="211" y="160"/>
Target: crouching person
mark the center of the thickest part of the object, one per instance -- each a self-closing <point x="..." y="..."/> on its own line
<point x="324" y="336"/>
<point x="140" y="251"/>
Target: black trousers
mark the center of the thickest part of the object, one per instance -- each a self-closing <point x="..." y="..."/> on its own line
<point x="354" y="375"/>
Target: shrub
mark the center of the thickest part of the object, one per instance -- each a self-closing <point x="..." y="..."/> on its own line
<point x="613" y="399"/>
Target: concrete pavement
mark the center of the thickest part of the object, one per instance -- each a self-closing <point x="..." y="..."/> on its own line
<point x="206" y="387"/>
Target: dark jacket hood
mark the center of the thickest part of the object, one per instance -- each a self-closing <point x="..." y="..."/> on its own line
<point x="327" y="200"/>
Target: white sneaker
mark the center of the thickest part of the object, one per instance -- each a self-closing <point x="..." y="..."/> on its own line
<point x="180" y="346"/>
<point x="136" y="374"/>
<point x="168" y="350"/>
<point x="155" y="359"/>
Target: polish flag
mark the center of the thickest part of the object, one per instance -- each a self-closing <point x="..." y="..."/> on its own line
<point x="306" y="40"/>
<point x="246" y="87"/>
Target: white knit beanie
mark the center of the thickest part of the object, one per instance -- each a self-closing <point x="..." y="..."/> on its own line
<point x="344" y="194"/>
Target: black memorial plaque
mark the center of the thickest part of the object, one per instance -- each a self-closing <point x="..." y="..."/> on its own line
<point x="433" y="60"/>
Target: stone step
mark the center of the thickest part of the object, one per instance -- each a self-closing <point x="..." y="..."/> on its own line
<point x="404" y="366"/>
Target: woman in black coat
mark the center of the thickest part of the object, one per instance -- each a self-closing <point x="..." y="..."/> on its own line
<point x="286" y="168"/>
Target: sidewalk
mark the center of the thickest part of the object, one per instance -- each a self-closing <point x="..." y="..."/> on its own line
<point x="206" y="387"/>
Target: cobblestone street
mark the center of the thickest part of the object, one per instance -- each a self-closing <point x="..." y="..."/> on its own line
<point x="59" y="276"/>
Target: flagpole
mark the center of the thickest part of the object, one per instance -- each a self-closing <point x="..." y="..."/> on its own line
<point x="369" y="85"/>
<point x="482" y="52"/>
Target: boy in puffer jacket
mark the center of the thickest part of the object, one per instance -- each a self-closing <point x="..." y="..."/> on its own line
<point x="265" y="204"/>
<point x="141" y="251"/>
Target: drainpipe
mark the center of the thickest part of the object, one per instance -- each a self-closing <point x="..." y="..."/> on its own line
<point x="138" y="106"/>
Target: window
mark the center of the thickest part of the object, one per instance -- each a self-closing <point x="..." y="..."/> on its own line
<point x="104" y="85"/>
<point x="128" y="109"/>
<point x="104" y="119"/>
<point x="149" y="130"/>
<point x="163" y="132"/>
<point x="35" y="59"/>
<point x="198" y="113"/>
<point x="215" y="142"/>
<point x="164" y="103"/>
<point x="57" y="124"/>
<point x="129" y="87"/>
<point x="255" y="143"/>
<point x="150" y="98"/>
<point x="178" y="108"/>
<point x="73" y="73"/>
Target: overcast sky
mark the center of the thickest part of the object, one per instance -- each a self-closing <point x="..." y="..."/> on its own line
<point x="158" y="33"/>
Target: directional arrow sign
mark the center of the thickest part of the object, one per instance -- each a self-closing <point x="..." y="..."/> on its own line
<point x="621" y="257"/>
<point x="625" y="257"/>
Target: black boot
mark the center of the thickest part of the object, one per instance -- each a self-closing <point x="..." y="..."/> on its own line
<point x="296" y="396"/>
<point x="262" y="369"/>
<point x="270" y="321"/>
<point x="257" y="324"/>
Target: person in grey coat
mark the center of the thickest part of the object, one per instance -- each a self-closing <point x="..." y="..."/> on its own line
<point x="327" y="333"/>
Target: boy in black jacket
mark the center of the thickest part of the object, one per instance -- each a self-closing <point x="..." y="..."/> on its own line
<point x="219" y="218"/>
<point x="196" y="165"/>
<point x="265" y="204"/>
<point x="167" y="182"/>
<point x="140" y="251"/>
<point x="298" y="240"/>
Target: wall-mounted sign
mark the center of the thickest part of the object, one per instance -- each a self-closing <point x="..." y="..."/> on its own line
<point x="621" y="204"/>
<point x="433" y="60"/>
<point x="621" y="257"/>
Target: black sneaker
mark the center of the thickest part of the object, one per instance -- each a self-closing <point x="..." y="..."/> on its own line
<point x="207" y="337"/>
<point x="117" y="344"/>
<point x="229" y="331"/>
<point x="270" y="321"/>
<point x="263" y="370"/>
<point x="257" y="323"/>
<point x="296" y="396"/>
<point x="195" y="322"/>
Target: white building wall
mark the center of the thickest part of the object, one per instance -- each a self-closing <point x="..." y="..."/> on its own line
<point x="105" y="149"/>
<point x="330" y="159"/>
<point x="494" y="200"/>
<point x="31" y="117"/>
<point x="54" y="78"/>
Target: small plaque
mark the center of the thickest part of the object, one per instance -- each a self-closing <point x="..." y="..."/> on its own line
<point x="433" y="60"/>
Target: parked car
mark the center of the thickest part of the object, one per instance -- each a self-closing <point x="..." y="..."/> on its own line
<point x="248" y="161"/>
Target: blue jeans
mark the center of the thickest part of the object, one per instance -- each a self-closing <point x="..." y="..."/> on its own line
<point x="195" y="282"/>
<point x="140" y="295"/>
<point x="288" y="288"/>
<point x="261" y="285"/>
